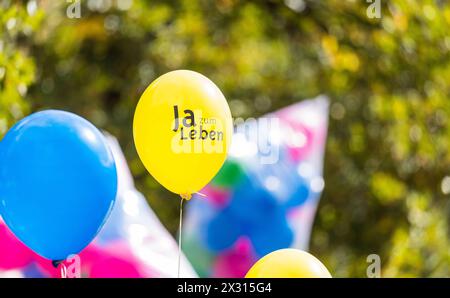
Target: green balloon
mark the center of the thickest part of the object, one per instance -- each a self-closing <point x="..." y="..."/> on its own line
<point x="230" y="174"/>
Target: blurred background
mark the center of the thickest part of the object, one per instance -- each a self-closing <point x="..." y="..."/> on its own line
<point x="386" y="170"/>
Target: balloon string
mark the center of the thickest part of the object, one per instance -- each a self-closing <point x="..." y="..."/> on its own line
<point x="179" y="236"/>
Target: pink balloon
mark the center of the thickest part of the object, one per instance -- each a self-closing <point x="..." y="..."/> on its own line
<point x="116" y="261"/>
<point x="13" y="253"/>
<point x="114" y="267"/>
<point x="113" y="260"/>
<point x="236" y="262"/>
<point x="87" y="257"/>
<point x="218" y="197"/>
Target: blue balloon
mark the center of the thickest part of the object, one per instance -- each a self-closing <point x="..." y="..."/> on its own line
<point x="300" y="194"/>
<point x="58" y="182"/>
<point x="222" y="231"/>
<point x="251" y="202"/>
<point x="272" y="234"/>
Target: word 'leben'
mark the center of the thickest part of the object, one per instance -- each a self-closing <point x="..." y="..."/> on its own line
<point x="197" y="130"/>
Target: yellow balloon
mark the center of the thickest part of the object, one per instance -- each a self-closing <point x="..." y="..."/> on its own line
<point x="288" y="263"/>
<point x="182" y="130"/>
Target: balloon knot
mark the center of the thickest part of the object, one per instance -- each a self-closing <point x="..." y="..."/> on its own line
<point x="186" y="197"/>
<point x="56" y="263"/>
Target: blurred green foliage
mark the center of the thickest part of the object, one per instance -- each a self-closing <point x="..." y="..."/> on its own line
<point x="387" y="158"/>
<point x="17" y="68"/>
